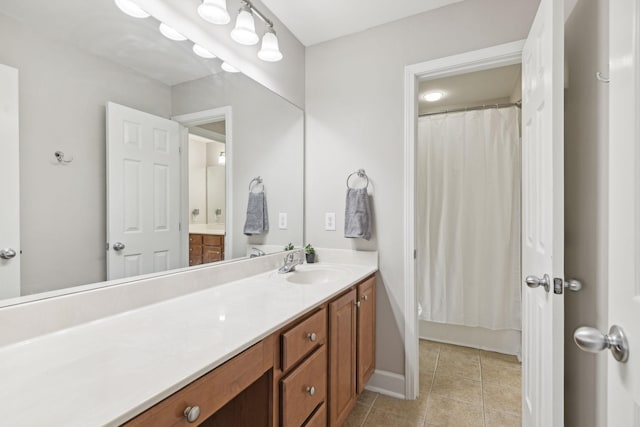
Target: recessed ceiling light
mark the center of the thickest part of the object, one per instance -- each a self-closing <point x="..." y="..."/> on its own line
<point x="131" y="9"/>
<point x="229" y="68"/>
<point x="433" y="96"/>
<point x="202" y="52"/>
<point x="170" y="33"/>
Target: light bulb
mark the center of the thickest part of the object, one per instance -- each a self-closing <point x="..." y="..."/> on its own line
<point x="131" y="9"/>
<point x="170" y="33"/>
<point x="229" y="68"/>
<point x="245" y="29"/>
<point x="433" y="96"/>
<point x="222" y="159"/>
<point x="214" y="11"/>
<point x="270" y="51"/>
<point x="202" y="52"/>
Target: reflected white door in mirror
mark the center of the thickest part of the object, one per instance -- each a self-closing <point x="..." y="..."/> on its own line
<point x="9" y="182"/>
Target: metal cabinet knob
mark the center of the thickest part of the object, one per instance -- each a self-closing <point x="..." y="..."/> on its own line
<point x="358" y="304"/>
<point x="534" y="282"/>
<point x="118" y="246"/>
<point x="312" y="337"/>
<point x="7" y="253"/>
<point x="311" y="390"/>
<point x="191" y="413"/>
<point x="365" y="297"/>
<point x="594" y="341"/>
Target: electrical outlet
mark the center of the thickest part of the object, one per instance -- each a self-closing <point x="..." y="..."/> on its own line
<point x="282" y="221"/>
<point x="330" y="221"/>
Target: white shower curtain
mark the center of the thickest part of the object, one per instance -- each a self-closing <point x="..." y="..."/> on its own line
<point x="468" y="218"/>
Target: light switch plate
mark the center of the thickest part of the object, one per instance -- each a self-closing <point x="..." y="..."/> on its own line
<point x="330" y="221"/>
<point x="282" y="221"/>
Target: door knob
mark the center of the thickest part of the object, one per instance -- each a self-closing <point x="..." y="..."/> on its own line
<point x="118" y="246"/>
<point x="594" y="341"/>
<point x="534" y="282"/>
<point x="572" y="285"/>
<point x="7" y="253"/>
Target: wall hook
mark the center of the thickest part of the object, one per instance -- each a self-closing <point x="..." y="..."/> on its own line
<point x="60" y="157"/>
<point x="601" y="78"/>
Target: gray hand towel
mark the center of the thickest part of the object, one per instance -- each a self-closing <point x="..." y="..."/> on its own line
<point x="357" y="215"/>
<point x="257" y="217"/>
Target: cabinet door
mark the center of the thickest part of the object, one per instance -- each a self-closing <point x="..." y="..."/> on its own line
<point x="366" y="331"/>
<point x="342" y="360"/>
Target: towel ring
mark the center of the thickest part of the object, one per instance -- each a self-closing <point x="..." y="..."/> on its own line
<point x="361" y="174"/>
<point x="257" y="180"/>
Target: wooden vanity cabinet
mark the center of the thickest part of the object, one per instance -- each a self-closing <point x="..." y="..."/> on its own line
<point x="366" y="331"/>
<point x="205" y="248"/>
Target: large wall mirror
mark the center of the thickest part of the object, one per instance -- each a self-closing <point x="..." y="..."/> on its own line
<point x="136" y="155"/>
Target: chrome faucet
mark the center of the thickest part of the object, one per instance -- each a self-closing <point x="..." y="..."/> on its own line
<point x="290" y="262"/>
<point x="257" y="252"/>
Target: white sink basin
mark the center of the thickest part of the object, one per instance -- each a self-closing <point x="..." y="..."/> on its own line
<point x="315" y="275"/>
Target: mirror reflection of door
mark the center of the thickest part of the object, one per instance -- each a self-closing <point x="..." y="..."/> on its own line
<point x="207" y="198"/>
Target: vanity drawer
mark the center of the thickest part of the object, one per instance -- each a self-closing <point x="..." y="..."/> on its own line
<point x="303" y="338"/>
<point x="211" y="254"/>
<point x="195" y="259"/>
<point x="304" y="389"/>
<point x="319" y="418"/>
<point x="212" y="391"/>
<point x="195" y="250"/>
<point x="195" y="239"/>
<point x="212" y="240"/>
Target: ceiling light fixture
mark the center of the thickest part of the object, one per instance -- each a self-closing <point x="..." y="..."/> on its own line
<point x="170" y="33"/>
<point x="202" y="52"/>
<point x="131" y="9"/>
<point x="433" y="96"/>
<point x="270" y="51"/>
<point x="245" y="29"/>
<point x="214" y="11"/>
<point x="222" y="159"/>
<point x="229" y="68"/>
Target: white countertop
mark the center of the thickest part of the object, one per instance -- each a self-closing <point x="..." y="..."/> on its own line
<point x="213" y="229"/>
<point x="109" y="370"/>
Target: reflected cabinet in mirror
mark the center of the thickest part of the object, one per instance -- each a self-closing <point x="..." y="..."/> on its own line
<point x="132" y="154"/>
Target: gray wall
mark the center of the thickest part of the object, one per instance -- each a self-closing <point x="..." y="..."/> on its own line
<point x="63" y="93"/>
<point x="267" y="140"/>
<point x="355" y="116"/>
<point x="586" y="201"/>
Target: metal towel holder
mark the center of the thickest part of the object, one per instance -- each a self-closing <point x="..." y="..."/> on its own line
<point x="257" y="180"/>
<point x="361" y="174"/>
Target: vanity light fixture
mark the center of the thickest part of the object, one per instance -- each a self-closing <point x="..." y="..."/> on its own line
<point x="131" y="9"/>
<point x="229" y="68"/>
<point x="270" y="51"/>
<point x="245" y="29"/>
<point x="214" y="11"/>
<point x="222" y="159"/>
<point x="170" y="33"/>
<point x="202" y="52"/>
<point x="433" y="96"/>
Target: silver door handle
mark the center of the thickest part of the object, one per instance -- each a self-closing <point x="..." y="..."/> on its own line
<point x="7" y="253"/>
<point x="118" y="246"/>
<point x="573" y="285"/>
<point x="534" y="282"/>
<point x="594" y="341"/>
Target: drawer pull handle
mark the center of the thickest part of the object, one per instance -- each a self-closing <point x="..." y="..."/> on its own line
<point x="365" y="297"/>
<point x="312" y="337"/>
<point x="192" y="413"/>
<point x="311" y="390"/>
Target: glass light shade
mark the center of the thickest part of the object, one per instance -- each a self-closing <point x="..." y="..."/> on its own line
<point x="245" y="29"/>
<point x="131" y="9"/>
<point x="214" y="11"/>
<point x="229" y="68"/>
<point x="170" y="33"/>
<point x="270" y="51"/>
<point x="202" y="52"/>
<point x="222" y="159"/>
<point x="433" y="96"/>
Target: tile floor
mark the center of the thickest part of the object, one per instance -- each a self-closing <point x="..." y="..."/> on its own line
<point x="459" y="387"/>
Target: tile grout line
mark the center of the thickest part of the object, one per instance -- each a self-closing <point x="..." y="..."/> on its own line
<point x="433" y="380"/>
<point x="364" y="419"/>
<point x="484" y="413"/>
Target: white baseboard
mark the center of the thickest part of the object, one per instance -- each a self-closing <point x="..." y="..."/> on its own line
<point x="387" y="383"/>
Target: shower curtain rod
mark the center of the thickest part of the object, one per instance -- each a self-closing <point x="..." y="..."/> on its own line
<point x="479" y="107"/>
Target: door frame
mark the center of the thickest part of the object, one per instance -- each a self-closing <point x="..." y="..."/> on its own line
<point x="477" y="60"/>
<point x="195" y="119"/>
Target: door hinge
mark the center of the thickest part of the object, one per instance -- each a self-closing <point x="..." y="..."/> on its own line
<point x="107" y="247"/>
<point x="179" y="226"/>
<point x="558" y="286"/>
<point x="415" y="254"/>
<point x="179" y="150"/>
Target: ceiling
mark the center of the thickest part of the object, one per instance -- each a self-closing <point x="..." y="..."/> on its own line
<point x="100" y="28"/>
<point x="471" y="88"/>
<point x="314" y="22"/>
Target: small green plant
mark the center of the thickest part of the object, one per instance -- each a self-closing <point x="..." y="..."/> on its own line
<point x="309" y="249"/>
<point x="289" y="247"/>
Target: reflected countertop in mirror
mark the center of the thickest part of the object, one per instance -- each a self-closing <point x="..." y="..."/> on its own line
<point x="120" y="102"/>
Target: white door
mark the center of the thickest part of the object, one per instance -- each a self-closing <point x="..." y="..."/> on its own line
<point x="143" y="193"/>
<point x="543" y="218"/>
<point x="10" y="180"/>
<point x="624" y="209"/>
